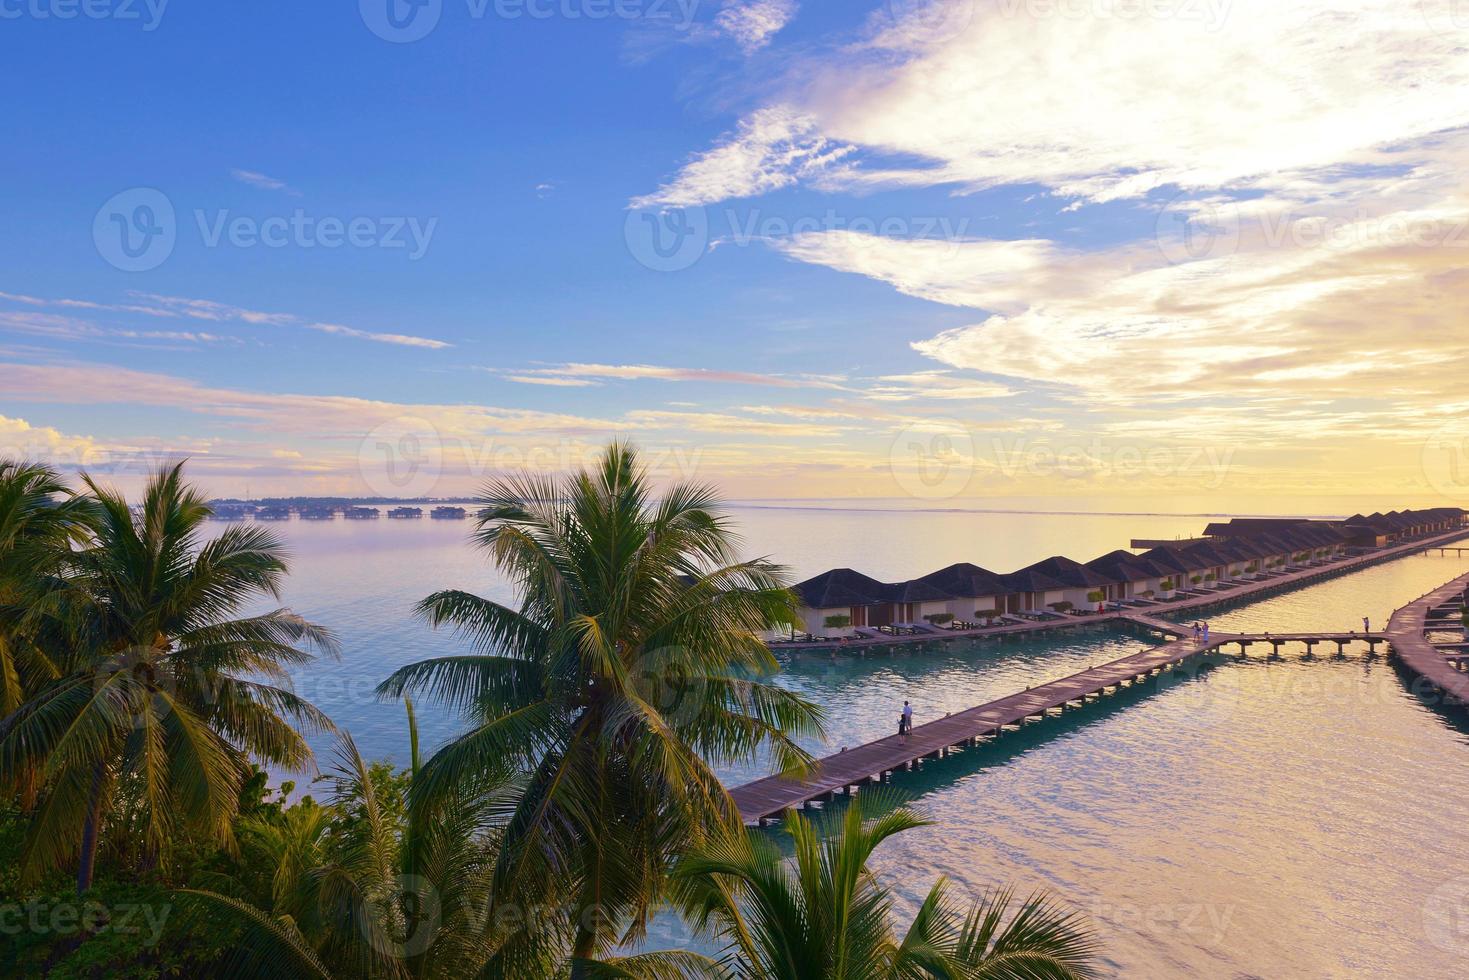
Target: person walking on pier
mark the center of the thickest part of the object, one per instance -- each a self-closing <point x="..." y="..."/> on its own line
<point x="1198" y="632"/>
<point x="1206" y="632"/>
<point x="905" y="722"/>
<point x="1366" y="624"/>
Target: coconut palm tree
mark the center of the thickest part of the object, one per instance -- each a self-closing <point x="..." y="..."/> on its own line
<point x="363" y="886"/>
<point x="40" y="521"/>
<point x="824" y="914"/>
<point x="630" y="663"/>
<point x="168" y="695"/>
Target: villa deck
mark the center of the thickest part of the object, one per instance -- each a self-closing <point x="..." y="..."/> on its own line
<point x="1260" y="587"/>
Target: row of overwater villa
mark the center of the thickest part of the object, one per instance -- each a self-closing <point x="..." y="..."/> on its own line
<point x="843" y="602"/>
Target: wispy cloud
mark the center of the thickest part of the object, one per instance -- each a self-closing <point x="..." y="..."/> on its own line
<point x="263" y="181"/>
<point x="583" y="375"/>
<point x="155" y="305"/>
<point x="752" y="23"/>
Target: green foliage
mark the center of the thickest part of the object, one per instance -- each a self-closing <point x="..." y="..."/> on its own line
<point x="146" y="735"/>
<point x="1064" y="605"/>
<point x="1166" y="585"/>
<point x="629" y="665"/>
<point x="824" y="914"/>
<point x="837" y="622"/>
<point x="938" y="619"/>
<point x="1095" y="595"/>
<point x="1195" y="579"/>
<point x="988" y="613"/>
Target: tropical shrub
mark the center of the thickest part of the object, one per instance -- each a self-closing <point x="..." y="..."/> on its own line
<point x="836" y="622"/>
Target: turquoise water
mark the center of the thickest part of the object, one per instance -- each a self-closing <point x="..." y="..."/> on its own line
<point x="1288" y="818"/>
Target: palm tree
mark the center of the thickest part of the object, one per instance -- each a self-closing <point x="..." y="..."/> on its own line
<point x="629" y="666"/>
<point x="824" y="914"/>
<point x="40" y="520"/>
<point x="366" y="887"/>
<point x="155" y="721"/>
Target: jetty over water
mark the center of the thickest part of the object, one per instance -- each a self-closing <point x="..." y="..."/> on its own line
<point x="852" y="768"/>
<point x="1439" y="665"/>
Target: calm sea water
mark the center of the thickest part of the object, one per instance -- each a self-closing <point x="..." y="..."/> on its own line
<point x="1290" y="818"/>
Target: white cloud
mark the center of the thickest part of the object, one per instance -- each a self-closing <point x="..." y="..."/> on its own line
<point x="771" y="149"/>
<point x="752" y="23"/>
<point x="1099" y="103"/>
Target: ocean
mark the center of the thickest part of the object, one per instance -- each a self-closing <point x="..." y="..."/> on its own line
<point x="1294" y="817"/>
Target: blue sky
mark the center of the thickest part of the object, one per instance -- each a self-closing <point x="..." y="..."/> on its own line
<point x="927" y="257"/>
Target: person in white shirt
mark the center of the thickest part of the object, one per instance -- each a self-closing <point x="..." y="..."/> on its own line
<point x="905" y="721"/>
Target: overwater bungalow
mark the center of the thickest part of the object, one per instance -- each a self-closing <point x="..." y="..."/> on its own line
<point x="318" y="513"/>
<point x="1080" y="584"/>
<point x="1136" y="577"/>
<point x="405" y="513"/>
<point x="273" y="514"/>
<point x="361" y="513"/>
<point x="1170" y="568"/>
<point x="916" y="600"/>
<point x="835" y="603"/>
<point x="972" y="591"/>
<point x="448" y="513"/>
<point x="1031" y="590"/>
<point x="842" y="601"/>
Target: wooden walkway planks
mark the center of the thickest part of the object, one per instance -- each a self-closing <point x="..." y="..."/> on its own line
<point x="773" y="795"/>
<point x="1418" y="654"/>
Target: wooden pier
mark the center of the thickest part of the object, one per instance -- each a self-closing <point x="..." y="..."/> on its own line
<point x="1437" y="665"/>
<point x="850" y="768"/>
<point x="767" y="798"/>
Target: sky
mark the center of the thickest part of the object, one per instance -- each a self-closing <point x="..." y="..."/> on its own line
<point x="942" y="251"/>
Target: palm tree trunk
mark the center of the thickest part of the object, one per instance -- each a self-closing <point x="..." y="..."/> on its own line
<point x="89" y="832"/>
<point x="583" y="950"/>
